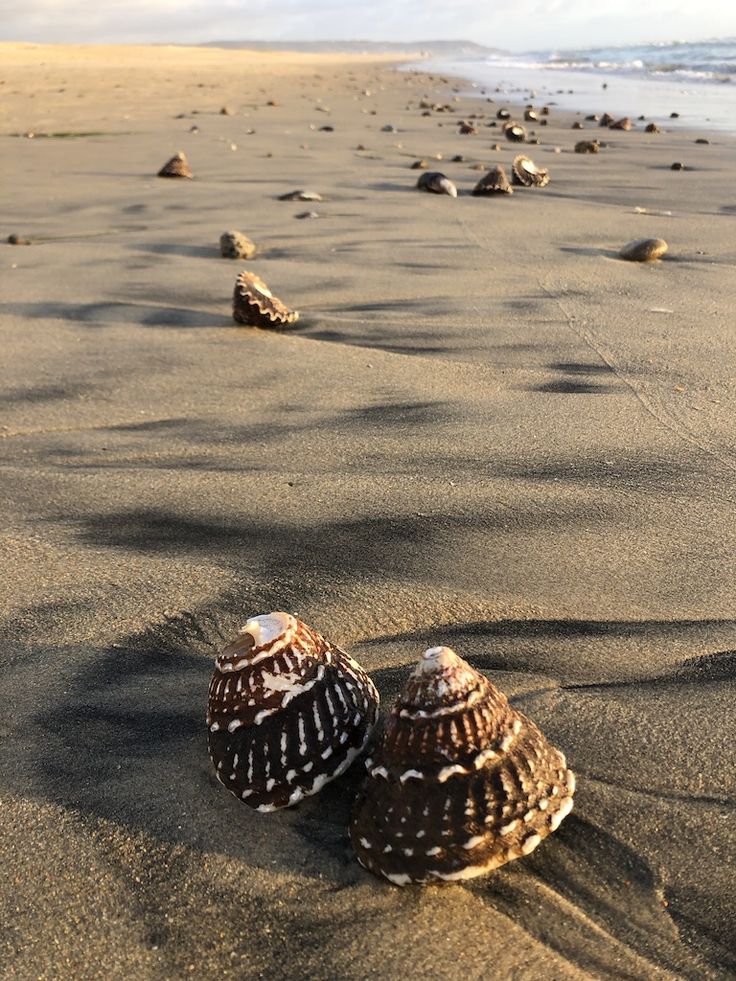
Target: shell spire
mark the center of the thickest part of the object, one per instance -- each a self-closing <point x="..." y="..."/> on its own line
<point x="256" y="306"/>
<point x="461" y="783"/>
<point x="287" y="712"/>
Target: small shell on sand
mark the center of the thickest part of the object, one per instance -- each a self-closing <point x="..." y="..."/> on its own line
<point x="644" y="250"/>
<point x="623" y="123"/>
<point x="419" y="165"/>
<point x="588" y="146"/>
<point x="436" y="182"/>
<point x="178" y="166"/>
<point x="514" y="133"/>
<point x="495" y="182"/>
<point x="652" y="128"/>
<point x="256" y="306"/>
<point x="300" y="195"/>
<point x="678" y="165"/>
<point x="527" y="174"/>
<point x="19" y="240"/>
<point x="235" y="245"/>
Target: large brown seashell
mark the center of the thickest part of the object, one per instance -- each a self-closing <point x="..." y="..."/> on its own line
<point x="644" y="250"/>
<point x="514" y="132"/>
<point x="287" y="712"/>
<point x="527" y="174"/>
<point x="254" y="304"/>
<point x="623" y="123"/>
<point x="494" y="182"/>
<point x="178" y="166"/>
<point x="436" y="182"/>
<point x="461" y="782"/>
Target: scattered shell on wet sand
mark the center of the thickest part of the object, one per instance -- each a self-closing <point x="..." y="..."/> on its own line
<point x="256" y="306"/>
<point x="644" y="250"/>
<point x="177" y="166"/>
<point x="437" y="183"/>
<point x="527" y="174"/>
<point x="587" y="146"/>
<point x="493" y="183"/>
<point x="235" y="245"/>
<point x="300" y="195"/>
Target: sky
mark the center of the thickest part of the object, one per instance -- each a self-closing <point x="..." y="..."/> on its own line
<point x="515" y="25"/>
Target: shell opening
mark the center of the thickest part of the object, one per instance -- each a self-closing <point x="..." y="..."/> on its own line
<point x="265" y="629"/>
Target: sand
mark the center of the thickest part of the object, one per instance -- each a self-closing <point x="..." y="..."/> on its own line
<point x="488" y="432"/>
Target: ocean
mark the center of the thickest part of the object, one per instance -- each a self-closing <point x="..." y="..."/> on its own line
<point x="696" y="80"/>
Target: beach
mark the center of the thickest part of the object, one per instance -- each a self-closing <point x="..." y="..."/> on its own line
<point x="487" y="431"/>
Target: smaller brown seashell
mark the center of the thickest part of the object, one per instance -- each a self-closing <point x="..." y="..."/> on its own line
<point x="255" y="305"/>
<point x="226" y="111"/>
<point x="644" y="250"/>
<point x="588" y="146"/>
<point x="527" y="174"/>
<point x="544" y="111"/>
<point x="677" y="165"/>
<point x="530" y="116"/>
<point x="436" y="182"/>
<point x="606" y="119"/>
<point x="593" y="118"/>
<point x="178" y="166"/>
<point x="467" y="128"/>
<point x="494" y="182"/>
<point x="577" y="125"/>
<point x="703" y="141"/>
<point x="461" y="782"/>
<point x="623" y="123"/>
<point x="514" y="133"/>
<point x="235" y="245"/>
<point x="674" y="115"/>
<point x="458" y="158"/>
<point x="419" y="165"/>
<point x="652" y="128"/>
<point x="503" y="114"/>
<point x="19" y="240"/>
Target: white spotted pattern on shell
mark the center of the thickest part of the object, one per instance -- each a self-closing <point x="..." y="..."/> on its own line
<point x="256" y="306"/>
<point x="461" y="783"/>
<point x="287" y="712"/>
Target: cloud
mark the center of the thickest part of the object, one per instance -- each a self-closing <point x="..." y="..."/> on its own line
<point x="521" y="25"/>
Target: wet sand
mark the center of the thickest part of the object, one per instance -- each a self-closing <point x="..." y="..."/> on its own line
<point x="489" y="432"/>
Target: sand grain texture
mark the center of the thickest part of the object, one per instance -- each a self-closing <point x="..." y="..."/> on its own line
<point x="489" y="432"/>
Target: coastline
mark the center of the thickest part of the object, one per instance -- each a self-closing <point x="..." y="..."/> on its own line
<point x="488" y="432"/>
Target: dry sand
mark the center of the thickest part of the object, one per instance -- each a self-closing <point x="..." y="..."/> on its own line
<point x="489" y="432"/>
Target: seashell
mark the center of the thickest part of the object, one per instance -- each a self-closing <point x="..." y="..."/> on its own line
<point x="652" y="128"/>
<point x="588" y="146"/>
<point x="461" y="782"/>
<point x="494" y="182"/>
<point x="287" y="712"/>
<point x="503" y="114"/>
<point x="544" y="111"/>
<point x="178" y="166"/>
<point x="467" y="128"/>
<point x="235" y="245"/>
<point x="530" y="116"/>
<point x="514" y="132"/>
<point x="307" y="214"/>
<point x="678" y="165"/>
<point x="644" y="250"/>
<point x="19" y="240"/>
<point x="254" y="304"/>
<point x="434" y="181"/>
<point x="623" y="123"/>
<point x="458" y="158"/>
<point x="300" y="195"/>
<point x="527" y="174"/>
<point x="593" y="118"/>
<point x="577" y="125"/>
<point x="226" y="111"/>
<point x="674" y="115"/>
<point x="606" y="119"/>
<point x="419" y="165"/>
<point x="703" y="140"/>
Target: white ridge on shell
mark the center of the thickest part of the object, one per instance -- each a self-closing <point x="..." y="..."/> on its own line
<point x="435" y="659"/>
